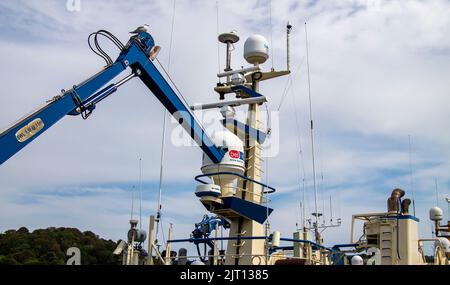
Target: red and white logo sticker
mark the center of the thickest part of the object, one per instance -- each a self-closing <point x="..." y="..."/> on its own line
<point x="234" y="153"/>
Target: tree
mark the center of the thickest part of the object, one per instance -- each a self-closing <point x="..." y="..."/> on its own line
<point x="49" y="246"/>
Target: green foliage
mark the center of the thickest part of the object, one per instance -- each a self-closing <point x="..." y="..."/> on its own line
<point x="49" y="246"/>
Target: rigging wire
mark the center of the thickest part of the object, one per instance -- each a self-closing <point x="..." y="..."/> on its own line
<point x="323" y="195"/>
<point x="179" y="93"/>
<point x="288" y="85"/>
<point x="171" y="36"/>
<point x="320" y="185"/>
<point x="163" y="139"/>
<point x="269" y="121"/>
<point x="299" y="156"/>
<point x="312" y="136"/>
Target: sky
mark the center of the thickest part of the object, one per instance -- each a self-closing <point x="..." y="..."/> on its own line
<point x="379" y="75"/>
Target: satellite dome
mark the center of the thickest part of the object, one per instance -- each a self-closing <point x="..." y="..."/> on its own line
<point x="357" y="260"/>
<point x="256" y="49"/>
<point x="436" y="214"/>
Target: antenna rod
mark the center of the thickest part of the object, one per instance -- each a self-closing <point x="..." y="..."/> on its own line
<point x="163" y="139"/>
<point x="161" y="173"/>
<point x="288" y="43"/>
<point x="331" y="211"/>
<point x="411" y="174"/>
<point x="228" y="60"/>
<point x="448" y="206"/>
<point x="303" y="203"/>
<point x="132" y="202"/>
<point x="437" y="192"/>
<point x="316" y="226"/>
<point x="140" y="194"/>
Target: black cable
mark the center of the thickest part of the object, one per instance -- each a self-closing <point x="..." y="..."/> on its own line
<point x="114" y="39"/>
<point x="98" y="50"/>
<point x="97" y="45"/>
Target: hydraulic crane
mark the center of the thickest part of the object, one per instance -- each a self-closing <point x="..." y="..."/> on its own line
<point x="231" y="161"/>
<point x="137" y="55"/>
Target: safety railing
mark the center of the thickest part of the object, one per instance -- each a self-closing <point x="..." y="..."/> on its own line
<point x="269" y="191"/>
<point x="262" y="199"/>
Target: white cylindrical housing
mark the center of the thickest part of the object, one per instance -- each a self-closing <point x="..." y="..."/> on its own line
<point x="256" y="49"/>
<point x="139" y="235"/>
<point x="237" y="79"/>
<point x="207" y="190"/>
<point x="436" y="214"/>
<point x="357" y="260"/>
<point x="444" y="243"/>
<point x="276" y="236"/>
<point x="233" y="161"/>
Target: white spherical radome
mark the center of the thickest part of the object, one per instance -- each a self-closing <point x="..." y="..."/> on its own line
<point x="256" y="49"/>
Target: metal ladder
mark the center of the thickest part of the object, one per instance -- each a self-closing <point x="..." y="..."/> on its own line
<point x="386" y="245"/>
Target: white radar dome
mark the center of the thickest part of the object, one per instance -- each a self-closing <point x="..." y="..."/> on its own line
<point x="436" y="214"/>
<point x="256" y="49"/>
<point x="444" y="243"/>
<point x="233" y="160"/>
<point x="357" y="260"/>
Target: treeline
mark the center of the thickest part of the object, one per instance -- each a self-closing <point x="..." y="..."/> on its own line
<point x="49" y="247"/>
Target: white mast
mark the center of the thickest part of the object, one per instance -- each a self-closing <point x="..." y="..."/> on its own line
<point x="316" y="214"/>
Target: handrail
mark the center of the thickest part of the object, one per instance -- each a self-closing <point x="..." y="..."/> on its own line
<point x="249" y="238"/>
<point x="263" y="198"/>
<point x="307" y="241"/>
<point x="272" y="190"/>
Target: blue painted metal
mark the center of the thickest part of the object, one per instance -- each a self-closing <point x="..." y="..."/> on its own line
<point x="315" y="245"/>
<point x="246" y="90"/>
<point x="338" y="255"/>
<point x="402" y="217"/>
<point x="338" y="246"/>
<point x="271" y="189"/>
<point x="218" y="238"/>
<point x="244" y="128"/>
<point x="85" y="95"/>
<point x="205" y="227"/>
<point x="251" y="211"/>
<point x="247" y="209"/>
<point x="55" y="110"/>
<point x="207" y="193"/>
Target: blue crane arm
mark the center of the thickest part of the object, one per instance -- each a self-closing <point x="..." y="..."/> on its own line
<point x="82" y="99"/>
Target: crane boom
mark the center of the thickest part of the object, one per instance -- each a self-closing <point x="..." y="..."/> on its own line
<point x="82" y="99"/>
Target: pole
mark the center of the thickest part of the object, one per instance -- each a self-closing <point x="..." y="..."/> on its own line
<point x="168" y="256"/>
<point x="151" y="239"/>
<point x="316" y="225"/>
<point x="288" y="44"/>
<point x="216" y="249"/>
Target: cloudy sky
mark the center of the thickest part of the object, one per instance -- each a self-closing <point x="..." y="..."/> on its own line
<point x="379" y="74"/>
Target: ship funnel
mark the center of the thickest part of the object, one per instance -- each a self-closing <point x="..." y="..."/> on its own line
<point x="393" y="202"/>
<point x="405" y="206"/>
